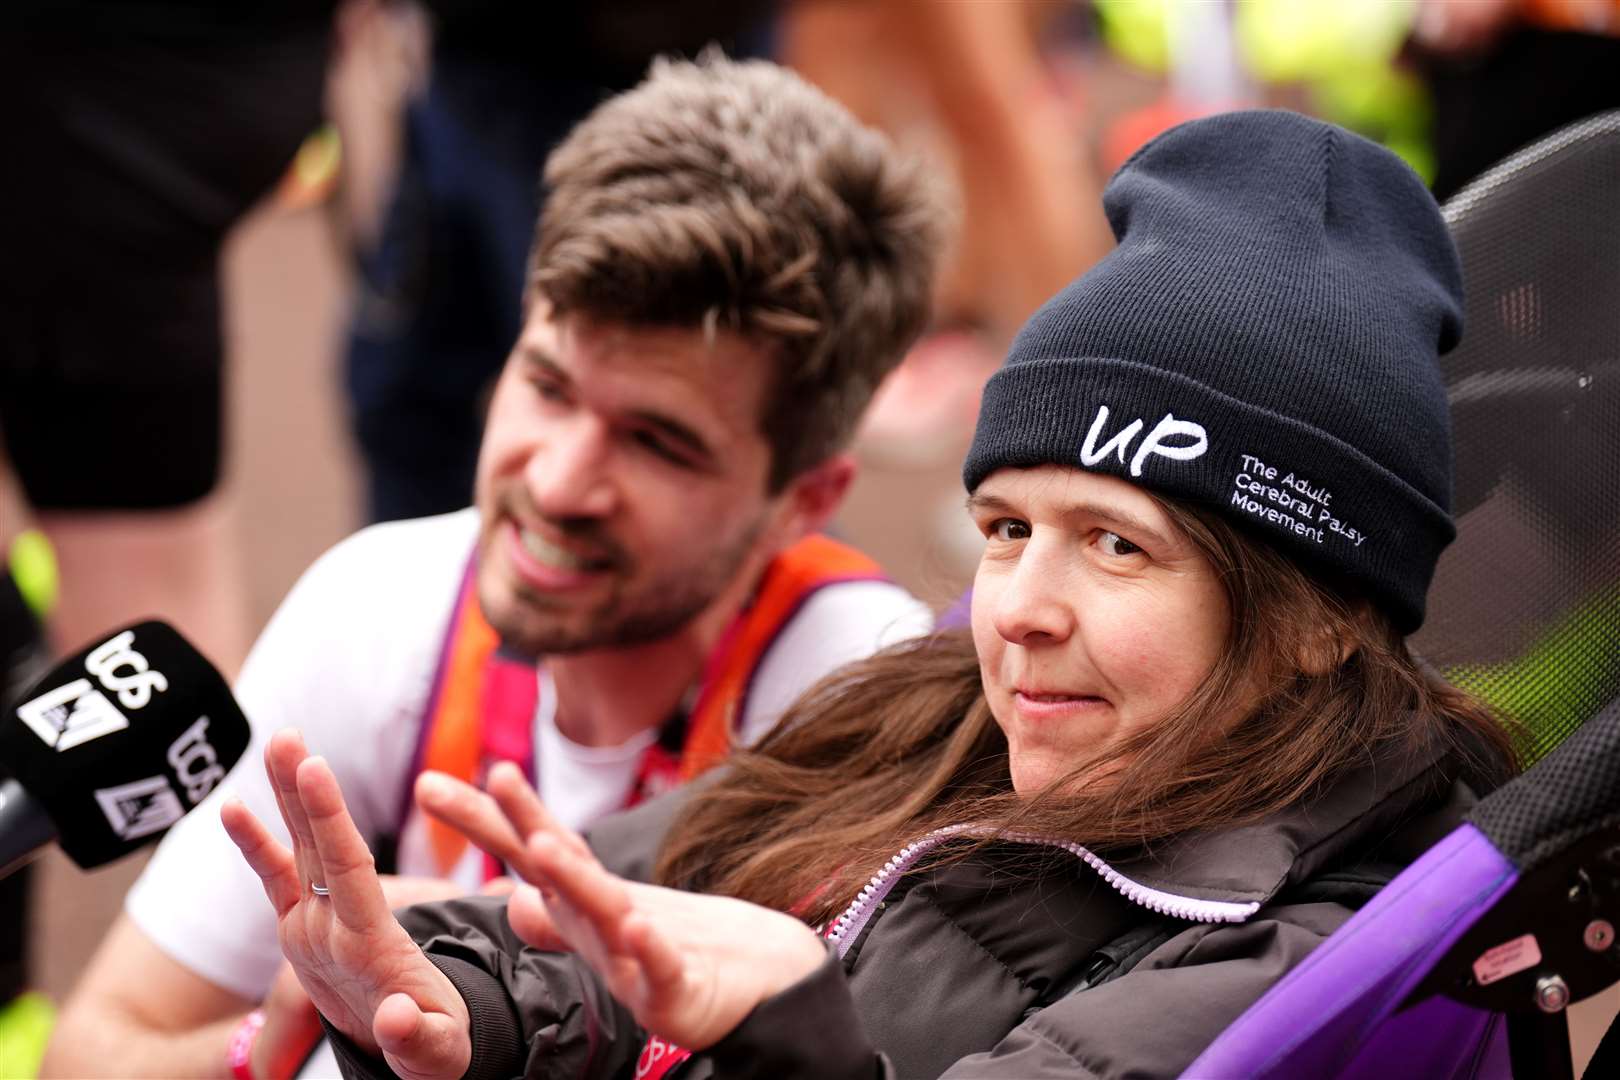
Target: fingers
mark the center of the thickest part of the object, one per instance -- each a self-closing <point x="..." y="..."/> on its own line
<point x="590" y="911"/>
<point x="273" y="863"/>
<point x="282" y="756"/>
<point x="500" y="821"/>
<point x="523" y="808"/>
<point x="582" y="886"/>
<point x="471" y="813"/>
<point x="532" y="922"/>
<point x="341" y="857"/>
<point x="420" y="1045"/>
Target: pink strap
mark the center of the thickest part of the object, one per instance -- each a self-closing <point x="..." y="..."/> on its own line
<point x="658" y="1058"/>
<point x="239" y="1051"/>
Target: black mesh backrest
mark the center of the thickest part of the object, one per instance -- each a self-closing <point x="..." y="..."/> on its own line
<point x="1572" y="792"/>
<point x="1525" y="607"/>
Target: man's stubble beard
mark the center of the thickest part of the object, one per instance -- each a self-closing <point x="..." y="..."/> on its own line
<point x="657" y="610"/>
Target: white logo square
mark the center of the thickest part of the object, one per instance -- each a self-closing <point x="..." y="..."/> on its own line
<point x="140" y="808"/>
<point x="72" y="714"/>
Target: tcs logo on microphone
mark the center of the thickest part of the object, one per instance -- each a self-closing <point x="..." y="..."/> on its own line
<point x="147" y="806"/>
<point x="195" y="762"/>
<point x="118" y="682"/>
<point x="76" y="712"/>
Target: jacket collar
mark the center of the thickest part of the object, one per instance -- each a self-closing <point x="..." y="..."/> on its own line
<point x="1253" y="863"/>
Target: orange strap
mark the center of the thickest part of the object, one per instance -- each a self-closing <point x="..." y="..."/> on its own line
<point x="455" y="736"/>
<point x="813" y="563"/>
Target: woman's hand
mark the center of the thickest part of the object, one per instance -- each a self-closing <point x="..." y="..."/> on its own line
<point x="689" y="966"/>
<point x="359" y="966"/>
<point x="291" y="1025"/>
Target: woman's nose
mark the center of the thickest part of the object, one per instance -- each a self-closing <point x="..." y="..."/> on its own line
<point x="1033" y="605"/>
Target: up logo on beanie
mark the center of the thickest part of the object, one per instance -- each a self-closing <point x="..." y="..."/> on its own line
<point x="1157" y="441"/>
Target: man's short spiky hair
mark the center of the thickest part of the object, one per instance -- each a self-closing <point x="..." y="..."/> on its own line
<point x="726" y="195"/>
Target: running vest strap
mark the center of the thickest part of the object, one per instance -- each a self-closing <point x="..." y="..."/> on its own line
<point x="481" y="707"/>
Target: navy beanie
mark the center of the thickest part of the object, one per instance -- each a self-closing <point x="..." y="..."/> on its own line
<point x="1263" y="342"/>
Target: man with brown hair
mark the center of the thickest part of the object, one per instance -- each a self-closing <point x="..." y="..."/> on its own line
<point x="726" y="267"/>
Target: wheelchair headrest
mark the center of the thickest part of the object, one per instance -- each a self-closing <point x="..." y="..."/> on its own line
<point x="1572" y="792"/>
<point x="1525" y="607"/>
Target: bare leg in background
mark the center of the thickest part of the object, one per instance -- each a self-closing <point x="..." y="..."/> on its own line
<point x="182" y="565"/>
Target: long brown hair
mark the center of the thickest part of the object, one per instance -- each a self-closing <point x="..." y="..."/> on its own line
<point x="886" y="750"/>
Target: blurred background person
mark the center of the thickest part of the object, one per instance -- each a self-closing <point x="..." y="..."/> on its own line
<point x="970" y="82"/>
<point x="1503" y="73"/>
<point x="148" y="129"/>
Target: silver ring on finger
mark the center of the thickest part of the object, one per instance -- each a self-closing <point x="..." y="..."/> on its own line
<point x="319" y="890"/>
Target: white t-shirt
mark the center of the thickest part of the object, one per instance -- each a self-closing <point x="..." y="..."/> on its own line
<point x="349" y="659"/>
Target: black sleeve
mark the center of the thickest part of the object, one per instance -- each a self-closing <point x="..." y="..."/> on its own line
<point x="497" y="1042"/>
<point x="533" y="1013"/>
<point x="353" y="1062"/>
<point x="808" y="1030"/>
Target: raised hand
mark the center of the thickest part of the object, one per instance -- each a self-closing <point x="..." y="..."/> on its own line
<point x="689" y="966"/>
<point x="358" y="965"/>
<point x="291" y="1025"/>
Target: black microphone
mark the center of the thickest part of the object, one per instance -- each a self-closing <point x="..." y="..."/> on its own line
<point x="114" y="746"/>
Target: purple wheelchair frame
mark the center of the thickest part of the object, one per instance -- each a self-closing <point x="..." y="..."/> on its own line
<point x="1335" y="1015"/>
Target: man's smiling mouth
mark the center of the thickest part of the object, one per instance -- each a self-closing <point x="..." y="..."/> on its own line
<point x="543" y="551"/>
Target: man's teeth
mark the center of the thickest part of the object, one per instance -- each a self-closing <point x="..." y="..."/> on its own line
<point x="550" y="554"/>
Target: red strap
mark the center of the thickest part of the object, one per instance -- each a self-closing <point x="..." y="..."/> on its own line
<point x="511" y="692"/>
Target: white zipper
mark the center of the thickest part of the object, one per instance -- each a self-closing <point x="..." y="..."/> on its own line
<point x="848" y="926"/>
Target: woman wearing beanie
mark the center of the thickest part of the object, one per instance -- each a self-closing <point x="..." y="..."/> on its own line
<point x="1184" y="741"/>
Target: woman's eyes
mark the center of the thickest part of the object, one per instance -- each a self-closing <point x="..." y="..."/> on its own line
<point x="1008" y="529"/>
<point x="1114" y="544"/>
<point x="1111" y="543"/>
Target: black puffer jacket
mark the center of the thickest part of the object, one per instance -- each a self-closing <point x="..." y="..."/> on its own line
<point x="983" y="968"/>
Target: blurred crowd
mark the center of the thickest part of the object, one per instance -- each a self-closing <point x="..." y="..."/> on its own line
<point x="144" y="132"/>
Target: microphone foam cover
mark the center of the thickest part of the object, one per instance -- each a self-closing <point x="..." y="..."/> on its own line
<point x="122" y="739"/>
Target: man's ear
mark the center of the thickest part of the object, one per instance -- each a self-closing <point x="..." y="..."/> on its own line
<point x="814" y="496"/>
